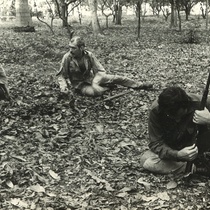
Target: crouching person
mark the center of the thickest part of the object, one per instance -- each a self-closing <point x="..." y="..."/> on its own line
<point x="81" y="70"/>
<point x="4" y="93"/>
<point x="170" y="147"/>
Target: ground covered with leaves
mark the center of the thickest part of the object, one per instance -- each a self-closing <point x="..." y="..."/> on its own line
<point x="57" y="153"/>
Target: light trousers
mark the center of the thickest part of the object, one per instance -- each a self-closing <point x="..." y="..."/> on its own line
<point x="151" y="162"/>
<point x="101" y="82"/>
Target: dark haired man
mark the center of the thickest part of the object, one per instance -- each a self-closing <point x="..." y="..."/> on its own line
<point x="171" y="143"/>
<point x="4" y="93"/>
<point x="81" y="69"/>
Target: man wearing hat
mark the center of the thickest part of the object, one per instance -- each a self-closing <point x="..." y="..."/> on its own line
<point x="81" y="70"/>
<point x="4" y="93"/>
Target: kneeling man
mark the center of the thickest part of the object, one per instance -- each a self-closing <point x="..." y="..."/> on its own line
<point x="170" y="141"/>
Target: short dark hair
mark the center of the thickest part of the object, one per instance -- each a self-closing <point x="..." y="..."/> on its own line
<point x="172" y="99"/>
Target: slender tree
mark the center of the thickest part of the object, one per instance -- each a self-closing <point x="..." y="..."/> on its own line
<point x="107" y="5"/>
<point x="62" y="9"/>
<point x="118" y="11"/>
<point x="173" y="14"/>
<point x="178" y="8"/>
<point x="207" y="15"/>
<point x="94" y="17"/>
<point x="188" y="5"/>
<point x="139" y="17"/>
<point x="52" y="15"/>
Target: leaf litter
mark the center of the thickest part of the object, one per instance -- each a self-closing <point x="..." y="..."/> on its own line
<point x="86" y="155"/>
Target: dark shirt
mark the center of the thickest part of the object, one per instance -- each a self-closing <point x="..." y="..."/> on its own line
<point x="166" y="135"/>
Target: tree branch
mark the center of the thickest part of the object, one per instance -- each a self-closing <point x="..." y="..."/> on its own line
<point x="75" y="6"/>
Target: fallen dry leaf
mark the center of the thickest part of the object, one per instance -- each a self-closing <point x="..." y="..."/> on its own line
<point x="19" y="203"/>
<point x="171" y="185"/>
<point x="163" y="196"/>
<point x="37" y="188"/>
<point x="54" y="175"/>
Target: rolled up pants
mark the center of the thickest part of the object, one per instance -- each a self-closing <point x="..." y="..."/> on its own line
<point x="101" y="82"/>
<point x="151" y="161"/>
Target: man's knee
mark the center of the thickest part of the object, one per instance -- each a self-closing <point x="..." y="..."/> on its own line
<point x="88" y="90"/>
<point x="151" y="162"/>
<point x="146" y="155"/>
<point x="92" y="90"/>
<point x="98" y="79"/>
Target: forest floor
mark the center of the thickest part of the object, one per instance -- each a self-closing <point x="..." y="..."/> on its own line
<point x="58" y="155"/>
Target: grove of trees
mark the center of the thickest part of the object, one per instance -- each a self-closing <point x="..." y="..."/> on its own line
<point x="46" y="10"/>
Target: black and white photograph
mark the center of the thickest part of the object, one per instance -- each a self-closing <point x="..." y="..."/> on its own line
<point x="104" y="105"/>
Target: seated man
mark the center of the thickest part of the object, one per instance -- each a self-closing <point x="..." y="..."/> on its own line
<point x="83" y="71"/>
<point x="171" y="143"/>
<point x="4" y="93"/>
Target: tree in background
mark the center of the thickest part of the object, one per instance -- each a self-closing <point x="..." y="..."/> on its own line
<point x="106" y="7"/>
<point x="203" y="12"/>
<point x="156" y="6"/>
<point x="166" y="12"/>
<point x="7" y="8"/>
<point x="173" y="14"/>
<point x="138" y="8"/>
<point x="23" y="17"/>
<point x="160" y="6"/>
<point x="93" y="4"/>
<point x="179" y="4"/>
<point x="207" y="14"/>
<point x="188" y="5"/>
<point x="62" y="7"/>
<point x="52" y="15"/>
<point x="117" y="11"/>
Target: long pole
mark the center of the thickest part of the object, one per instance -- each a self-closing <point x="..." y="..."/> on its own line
<point x="139" y="17"/>
<point x="207" y="15"/>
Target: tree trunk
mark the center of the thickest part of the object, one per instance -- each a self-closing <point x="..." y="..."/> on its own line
<point x="94" y="17"/>
<point x="23" y="17"/>
<point x="180" y="21"/>
<point x="118" y="13"/>
<point x="139" y="18"/>
<point x="173" y="15"/>
<point x="107" y="21"/>
<point x="187" y="13"/>
<point x="187" y="16"/>
<point x="64" y="14"/>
